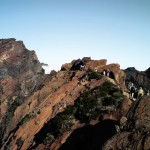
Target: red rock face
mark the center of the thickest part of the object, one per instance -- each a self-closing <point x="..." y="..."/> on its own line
<point x="124" y="106"/>
<point x="19" y="64"/>
<point x="20" y="74"/>
<point x="29" y="102"/>
<point x="93" y="64"/>
<point x="9" y="86"/>
<point x="136" y="134"/>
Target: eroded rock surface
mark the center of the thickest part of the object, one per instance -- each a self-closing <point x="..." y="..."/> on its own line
<point x="136" y="133"/>
<point x="49" y="111"/>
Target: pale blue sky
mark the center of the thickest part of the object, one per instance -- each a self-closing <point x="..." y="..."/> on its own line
<point x="62" y="30"/>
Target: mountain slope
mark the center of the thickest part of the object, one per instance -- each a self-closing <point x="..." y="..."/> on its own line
<point x="50" y="111"/>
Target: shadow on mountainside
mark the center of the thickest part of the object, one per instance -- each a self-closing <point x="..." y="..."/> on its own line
<point x="90" y="137"/>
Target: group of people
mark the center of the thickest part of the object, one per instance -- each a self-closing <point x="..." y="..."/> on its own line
<point x="136" y="92"/>
<point x="106" y="72"/>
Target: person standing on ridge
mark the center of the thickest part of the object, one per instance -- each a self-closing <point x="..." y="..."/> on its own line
<point x="140" y="92"/>
<point x="104" y="72"/>
<point x="107" y="72"/>
<point x="132" y="91"/>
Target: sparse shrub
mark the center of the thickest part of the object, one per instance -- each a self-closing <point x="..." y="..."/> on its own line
<point x="12" y="105"/>
<point x="103" y="93"/>
<point x="117" y="94"/>
<point x="93" y="74"/>
<point x="64" y="124"/>
<point x="85" y="94"/>
<point x="25" y="119"/>
<point x="106" y="87"/>
<point x="19" y="143"/>
<point x="63" y="121"/>
<point x="111" y="94"/>
<point x="88" y="106"/>
<point x="49" y="138"/>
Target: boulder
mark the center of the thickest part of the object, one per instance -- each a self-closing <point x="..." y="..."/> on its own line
<point x="94" y="64"/>
<point x="136" y="134"/>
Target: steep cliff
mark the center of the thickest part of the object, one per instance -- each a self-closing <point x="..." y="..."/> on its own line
<point x="21" y="74"/>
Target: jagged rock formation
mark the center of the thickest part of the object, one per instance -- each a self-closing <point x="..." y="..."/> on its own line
<point x="20" y="75"/>
<point x="50" y="111"/>
<point x="60" y="90"/>
<point x="35" y="122"/>
<point x="19" y="68"/>
<point x="139" y="78"/>
<point x="136" y="134"/>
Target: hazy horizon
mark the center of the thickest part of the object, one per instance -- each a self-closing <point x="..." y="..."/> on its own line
<point x="62" y="30"/>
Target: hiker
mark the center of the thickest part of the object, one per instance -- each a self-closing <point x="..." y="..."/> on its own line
<point x="104" y="72"/>
<point x="140" y="92"/>
<point x="82" y="67"/>
<point x="132" y="91"/>
<point x="107" y="72"/>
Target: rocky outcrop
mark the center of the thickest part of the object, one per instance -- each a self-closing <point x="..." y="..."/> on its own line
<point x="51" y="111"/>
<point x="139" y="78"/>
<point x="43" y="116"/>
<point x="21" y="74"/>
<point x="20" y="64"/>
<point x="98" y="65"/>
<point x="136" y="133"/>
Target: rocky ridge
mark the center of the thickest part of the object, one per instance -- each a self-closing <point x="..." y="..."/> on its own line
<point x="50" y="111"/>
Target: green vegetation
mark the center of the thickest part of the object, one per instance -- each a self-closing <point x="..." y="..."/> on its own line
<point x="93" y="74"/>
<point x="49" y="138"/>
<point x="63" y="121"/>
<point x="19" y="143"/>
<point x="12" y="105"/>
<point x="91" y="103"/>
<point x="25" y="119"/>
<point x="88" y="106"/>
